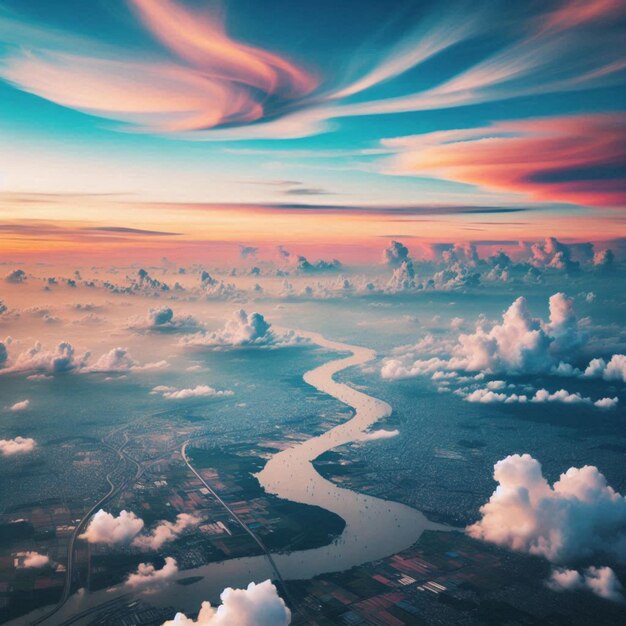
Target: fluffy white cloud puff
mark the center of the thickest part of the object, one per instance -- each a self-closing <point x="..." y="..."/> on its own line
<point x="162" y="319"/>
<point x="241" y="330"/>
<point x="149" y="579"/>
<point x="601" y="581"/>
<point x="578" y="517"/>
<point x="518" y="344"/>
<point x="489" y="396"/>
<point x="20" y="406"/>
<point x="165" y="532"/>
<point x="64" y="358"/>
<point x="258" y="605"/>
<point x="108" y="529"/>
<point x="126" y="528"/>
<point x="18" y="445"/>
<point x="199" y="391"/>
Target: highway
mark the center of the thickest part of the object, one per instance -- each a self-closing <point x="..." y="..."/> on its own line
<point x="255" y="537"/>
<point x="113" y="491"/>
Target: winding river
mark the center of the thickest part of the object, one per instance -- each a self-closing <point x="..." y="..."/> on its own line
<point x="375" y="528"/>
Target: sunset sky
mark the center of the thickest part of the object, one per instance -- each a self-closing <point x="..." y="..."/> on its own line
<point x="187" y="128"/>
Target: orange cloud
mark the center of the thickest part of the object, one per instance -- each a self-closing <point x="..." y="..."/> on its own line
<point x="578" y="159"/>
<point x="202" y="41"/>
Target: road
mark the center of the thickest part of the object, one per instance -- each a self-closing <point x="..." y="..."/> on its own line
<point x="255" y="537"/>
<point x="113" y="491"/>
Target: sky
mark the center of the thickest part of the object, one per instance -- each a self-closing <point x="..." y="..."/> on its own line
<point x="188" y="128"/>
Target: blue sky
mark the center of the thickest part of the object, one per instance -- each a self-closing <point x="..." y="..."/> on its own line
<point x="369" y="104"/>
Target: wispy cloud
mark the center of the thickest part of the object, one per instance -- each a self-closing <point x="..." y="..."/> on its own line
<point x="578" y="159"/>
<point x="214" y="80"/>
<point x="207" y="85"/>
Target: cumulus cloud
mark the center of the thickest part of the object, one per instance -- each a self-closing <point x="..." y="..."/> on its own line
<point x="18" y="445"/>
<point x="63" y="358"/>
<point x="149" y="579"/>
<point x="455" y="276"/>
<point x="376" y="435"/>
<point x="166" y="531"/>
<point x="615" y="369"/>
<point x="519" y="344"/>
<point x="489" y="396"/>
<point x="403" y="277"/>
<point x="15" y="277"/>
<point x="20" y="406"/>
<point x="126" y="528"/>
<point x="162" y="319"/>
<point x="199" y="391"/>
<point x="607" y="403"/>
<point x="120" y="360"/>
<point x="553" y="254"/>
<point x="601" y="581"/>
<point x="302" y="264"/>
<point x="242" y="329"/>
<point x="578" y="517"/>
<point x="110" y="530"/>
<point x="32" y="559"/>
<point x="604" y="260"/>
<point x="247" y="252"/>
<point x="395" y="254"/>
<point x="258" y="605"/>
<point x="396" y="368"/>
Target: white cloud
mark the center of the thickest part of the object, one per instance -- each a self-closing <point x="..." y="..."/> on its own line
<point x="578" y="517"/>
<point x="32" y="559"/>
<point x="105" y="528"/>
<point x="126" y="528"/>
<point x="62" y="359"/>
<point x="395" y="254"/>
<point x="490" y="395"/>
<point x="148" y="579"/>
<point x="162" y="319"/>
<point x="543" y="395"/>
<point x="601" y="581"/>
<point x="258" y="605"/>
<point x="487" y="396"/>
<point x="120" y="360"/>
<point x="19" y="445"/>
<point x="403" y="277"/>
<point x="170" y="393"/>
<point x="553" y="254"/>
<point x="604" y="260"/>
<point x="519" y="344"/>
<point x="606" y="403"/>
<point x="615" y="369"/>
<point x="165" y="531"/>
<point x="376" y="435"/>
<point x="20" y="406"/>
<point x="243" y="329"/>
<point x="240" y="330"/>
<point x="396" y="368"/>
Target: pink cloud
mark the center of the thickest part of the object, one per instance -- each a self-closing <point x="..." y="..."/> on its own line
<point x="568" y="159"/>
<point x="215" y="80"/>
